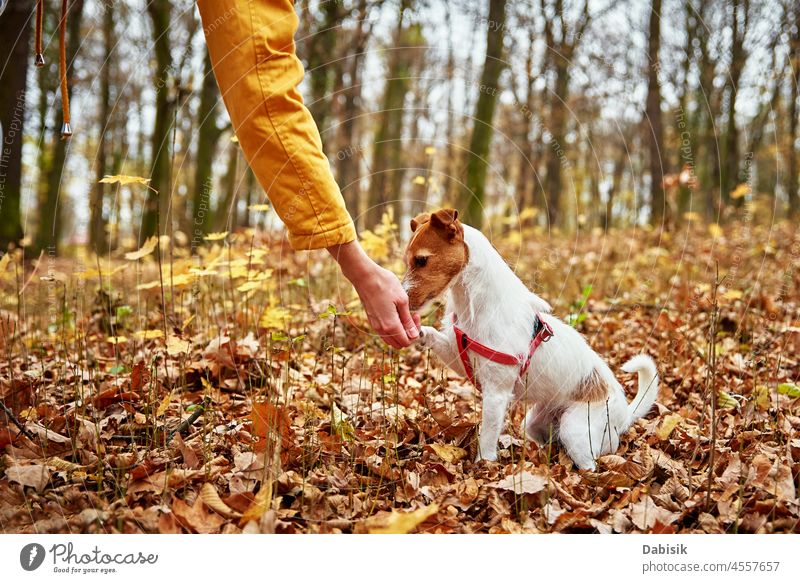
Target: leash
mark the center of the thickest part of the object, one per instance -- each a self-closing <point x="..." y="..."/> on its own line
<point x="66" y="129"/>
<point x="542" y="332"/>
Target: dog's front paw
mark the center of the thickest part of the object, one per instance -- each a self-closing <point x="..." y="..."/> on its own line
<point x="427" y="335"/>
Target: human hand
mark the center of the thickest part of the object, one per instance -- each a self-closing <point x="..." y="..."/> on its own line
<point x="384" y="299"/>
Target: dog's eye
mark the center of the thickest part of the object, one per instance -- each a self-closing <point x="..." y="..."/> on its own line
<point x="420" y="261"/>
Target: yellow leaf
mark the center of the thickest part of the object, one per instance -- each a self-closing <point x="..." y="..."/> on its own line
<point x="146" y="249"/>
<point x="375" y="246"/>
<point x="259" y="208"/>
<point x="124" y="179"/>
<point x="715" y="230"/>
<point x="187" y="322"/>
<point x="234" y="139"/>
<point x="177" y="345"/>
<point x="669" y="423"/>
<point x="430" y="150"/>
<point x="761" y="394"/>
<point x="149" y="334"/>
<point x="726" y="401"/>
<point x="449" y="453"/>
<point x="691" y="216"/>
<point x="250" y="285"/>
<point x="164" y="405"/>
<point x="216" y="236"/>
<point x="741" y="191"/>
<point x="400" y="522"/>
<point x="732" y="294"/>
<point x="117" y="339"/>
<point x="260" y="504"/>
<point x="148" y="285"/>
<point x="419" y="180"/>
<point x="274" y="318"/>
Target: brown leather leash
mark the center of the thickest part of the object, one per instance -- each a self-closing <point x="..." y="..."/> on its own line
<point x="66" y="128"/>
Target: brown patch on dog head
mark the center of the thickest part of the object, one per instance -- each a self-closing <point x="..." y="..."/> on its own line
<point x="591" y="388"/>
<point x="434" y="256"/>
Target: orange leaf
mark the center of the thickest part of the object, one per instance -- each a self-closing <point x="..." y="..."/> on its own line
<point x="267" y="417"/>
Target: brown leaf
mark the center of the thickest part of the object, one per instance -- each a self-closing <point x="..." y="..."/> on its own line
<point x="645" y="514"/>
<point x="196" y="518"/>
<point x="140" y="376"/>
<point x="211" y="499"/>
<point x="187" y="453"/>
<point x="449" y="453"/>
<point x="35" y="475"/>
<point x="522" y="483"/>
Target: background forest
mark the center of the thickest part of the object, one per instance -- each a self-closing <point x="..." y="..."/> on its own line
<point x="168" y="364"/>
<point x="573" y="116"/>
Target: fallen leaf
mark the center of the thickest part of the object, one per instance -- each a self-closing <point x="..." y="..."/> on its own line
<point x="522" y="483"/>
<point x="211" y="499"/>
<point x="669" y="423"/>
<point x="449" y="453"/>
<point x="35" y="476"/>
<point x="645" y="514"/>
<point x="789" y="389"/>
<point x="196" y="518"/>
<point x="400" y="522"/>
<point x="146" y="249"/>
<point x="177" y="345"/>
<point x="124" y="179"/>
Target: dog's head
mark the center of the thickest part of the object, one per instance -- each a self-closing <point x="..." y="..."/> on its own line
<point x="435" y="255"/>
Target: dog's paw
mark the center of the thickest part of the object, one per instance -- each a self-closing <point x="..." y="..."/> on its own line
<point x="427" y="335"/>
<point x="486" y="457"/>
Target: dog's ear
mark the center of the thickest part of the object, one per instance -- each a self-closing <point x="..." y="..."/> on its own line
<point x="420" y="219"/>
<point x="447" y="220"/>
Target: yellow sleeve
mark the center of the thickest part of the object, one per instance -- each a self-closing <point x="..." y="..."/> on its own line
<point x="251" y="44"/>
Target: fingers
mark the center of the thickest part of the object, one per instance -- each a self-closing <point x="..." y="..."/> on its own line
<point x="407" y="321"/>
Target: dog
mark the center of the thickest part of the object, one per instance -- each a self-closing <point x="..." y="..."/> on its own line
<point x="506" y="340"/>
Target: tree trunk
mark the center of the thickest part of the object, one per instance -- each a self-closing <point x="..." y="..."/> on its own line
<point x="388" y="152"/>
<point x="658" y="200"/>
<point x="98" y="237"/>
<point x="324" y="70"/>
<point x="207" y="137"/>
<point x="556" y="154"/>
<point x="349" y="154"/>
<point x="157" y="200"/>
<point x="793" y="210"/>
<point x="49" y="232"/>
<point x="616" y="183"/>
<point x="473" y="194"/>
<point x="225" y="214"/>
<point x="730" y="172"/>
<point x="15" y="30"/>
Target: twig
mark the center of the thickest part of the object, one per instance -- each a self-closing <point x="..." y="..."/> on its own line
<point x="188" y="421"/>
<point x="16" y="422"/>
<point x="711" y="383"/>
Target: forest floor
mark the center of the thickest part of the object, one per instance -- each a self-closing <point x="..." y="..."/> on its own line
<point x="262" y="403"/>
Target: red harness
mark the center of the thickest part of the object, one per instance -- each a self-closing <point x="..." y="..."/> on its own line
<point x="541" y="333"/>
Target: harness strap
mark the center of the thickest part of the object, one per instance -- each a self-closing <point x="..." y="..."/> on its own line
<point x="541" y="333"/>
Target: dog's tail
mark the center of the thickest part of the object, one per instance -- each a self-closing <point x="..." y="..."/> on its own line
<point x="648" y="386"/>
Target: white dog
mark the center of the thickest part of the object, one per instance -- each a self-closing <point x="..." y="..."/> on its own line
<point x="503" y="337"/>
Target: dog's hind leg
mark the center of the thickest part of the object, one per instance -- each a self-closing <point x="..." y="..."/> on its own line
<point x="540" y="425"/>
